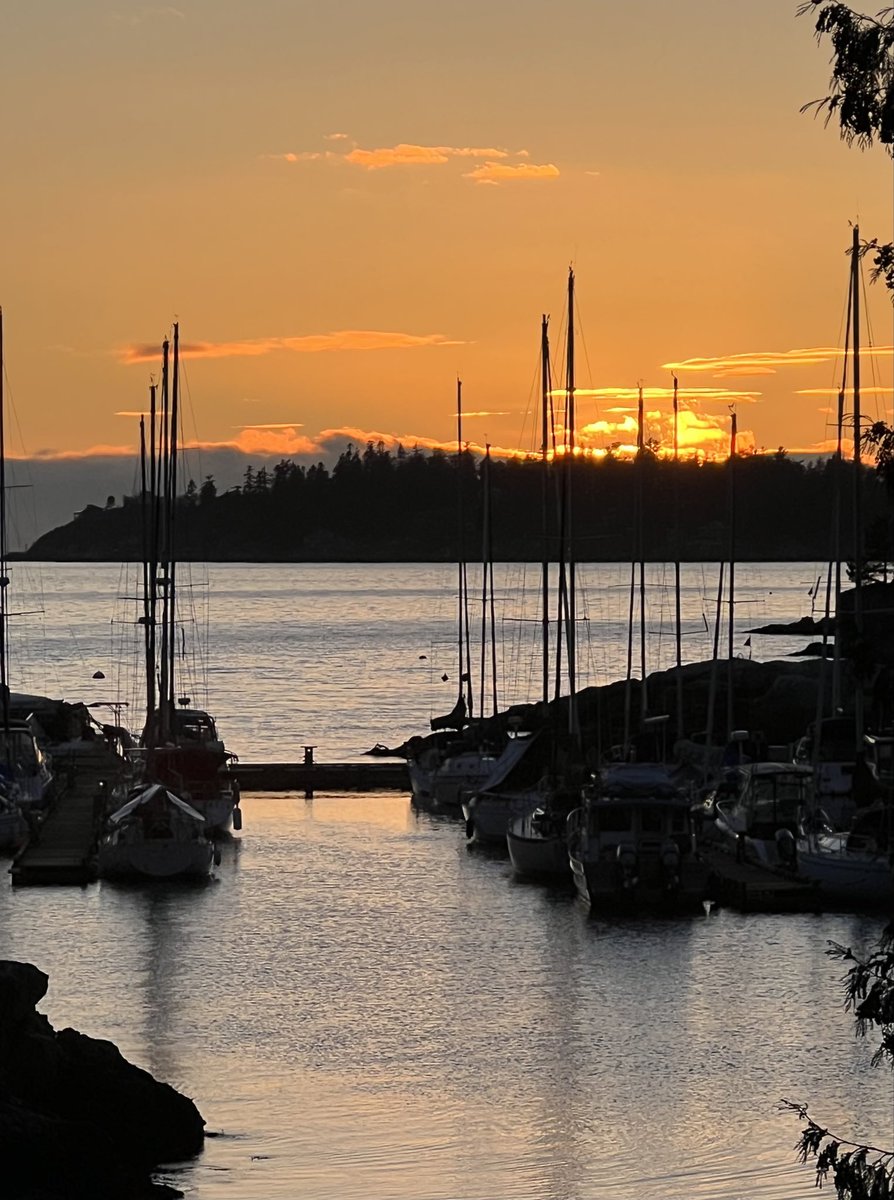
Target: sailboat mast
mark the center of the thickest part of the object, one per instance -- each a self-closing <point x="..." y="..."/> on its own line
<point x="463" y="650"/>
<point x="641" y="554"/>
<point x="732" y="572"/>
<point x="858" y="482"/>
<point x="570" y="419"/>
<point x="161" y="549"/>
<point x="148" y="614"/>
<point x="172" y="517"/>
<point x="678" y="620"/>
<point x="545" y="390"/>
<point x="4" y="576"/>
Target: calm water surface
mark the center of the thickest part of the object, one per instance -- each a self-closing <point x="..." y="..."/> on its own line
<point x="362" y="1007"/>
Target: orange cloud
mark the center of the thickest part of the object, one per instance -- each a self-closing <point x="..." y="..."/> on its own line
<point x="495" y="172"/>
<point x="405" y="154"/>
<point x="314" y="343"/>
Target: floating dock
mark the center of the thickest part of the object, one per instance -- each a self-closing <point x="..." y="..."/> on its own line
<point x="752" y="888"/>
<point x="63" y="848"/>
<point x="309" y="776"/>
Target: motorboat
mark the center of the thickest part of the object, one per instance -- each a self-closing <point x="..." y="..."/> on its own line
<point x="13" y="825"/>
<point x="154" y="834"/>
<point x="761" y="820"/>
<point x="632" y="842"/>
<point x="25" y="771"/>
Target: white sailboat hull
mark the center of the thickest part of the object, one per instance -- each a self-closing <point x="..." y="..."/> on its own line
<point x="536" y="850"/>
<point x="854" y="877"/>
<point x="161" y="858"/>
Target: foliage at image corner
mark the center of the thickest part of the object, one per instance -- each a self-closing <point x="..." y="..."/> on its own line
<point x="861" y="102"/>
<point x="857" y="1171"/>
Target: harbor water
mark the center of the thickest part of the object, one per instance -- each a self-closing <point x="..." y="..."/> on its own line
<point x="362" y="1006"/>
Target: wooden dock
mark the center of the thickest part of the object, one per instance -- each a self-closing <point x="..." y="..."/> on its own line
<point x="63" y="849"/>
<point x="310" y="776"/>
<point x="753" y="888"/>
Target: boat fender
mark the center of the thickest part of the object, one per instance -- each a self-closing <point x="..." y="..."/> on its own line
<point x="217" y="856"/>
<point x="786" y="847"/>
<point x="625" y="857"/>
<point x="670" y="863"/>
<point x="237" y="817"/>
<point x="470" y="828"/>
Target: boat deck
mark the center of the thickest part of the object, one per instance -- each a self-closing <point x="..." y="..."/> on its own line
<point x="63" y="850"/>
<point x="753" y="888"/>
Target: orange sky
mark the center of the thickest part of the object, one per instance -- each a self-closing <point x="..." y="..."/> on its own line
<point x="348" y="205"/>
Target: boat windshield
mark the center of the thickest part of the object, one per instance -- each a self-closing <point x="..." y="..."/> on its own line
<point x="19" y="751"/>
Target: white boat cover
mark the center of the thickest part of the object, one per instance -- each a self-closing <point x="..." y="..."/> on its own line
<point x="146" y="795"/>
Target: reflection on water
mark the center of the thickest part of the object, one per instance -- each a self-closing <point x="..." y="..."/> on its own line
<point x="343" y="656"/>
<point x="364" y="1008"/>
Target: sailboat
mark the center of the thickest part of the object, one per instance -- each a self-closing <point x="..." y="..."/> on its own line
<point x="25" y="777"/>
<point x="855" y="866"/>
<point x="536" y="832"/>
<point x="186" y="750"/>
<point x="445" y="768"/>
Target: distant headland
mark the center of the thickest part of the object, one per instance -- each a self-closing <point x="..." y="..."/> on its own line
<point x="375" y="505"/>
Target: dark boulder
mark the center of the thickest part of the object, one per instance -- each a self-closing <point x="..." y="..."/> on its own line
<point x="76" y="1118"/>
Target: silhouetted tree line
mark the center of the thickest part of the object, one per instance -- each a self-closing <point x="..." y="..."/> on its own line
<point x="408" y="505"/>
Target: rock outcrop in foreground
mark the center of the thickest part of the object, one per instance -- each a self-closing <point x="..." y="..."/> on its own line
<point x="77" y="1120"/>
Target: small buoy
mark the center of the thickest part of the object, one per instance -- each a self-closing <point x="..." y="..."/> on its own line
<point x="444" y="678"/>
<point x="237" y="817"/>
<point x="98" y="675"/>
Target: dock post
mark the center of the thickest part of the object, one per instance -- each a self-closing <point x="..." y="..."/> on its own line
<point x="309" y="765"/>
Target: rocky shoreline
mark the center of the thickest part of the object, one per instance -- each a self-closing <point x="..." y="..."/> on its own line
<point x="77" y="1120"/>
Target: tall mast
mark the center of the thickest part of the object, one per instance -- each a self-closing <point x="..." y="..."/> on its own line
<point x="148" y="611"/>
<point x="488" y="616"/>
<point x="4" y="576"/>
<point x="172" y="516"/>
<point x="571" y="626"/>
<point x="640" y="541"/>
<point x="463" y="649"/>
<point x="732" y="572"/>
<point x="161" y="549"/>
<point x="678" y="622"/>
<point x="545" y="390"/>
<point x="858" y="494"/>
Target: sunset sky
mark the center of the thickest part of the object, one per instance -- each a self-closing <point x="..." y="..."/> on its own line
<point x="349" y="204"/>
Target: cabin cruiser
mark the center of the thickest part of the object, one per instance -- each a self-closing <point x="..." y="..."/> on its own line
<point x="760" y="821"/>
<point x="632" y="841"/>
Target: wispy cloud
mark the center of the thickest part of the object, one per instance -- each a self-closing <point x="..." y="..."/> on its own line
<point x="100" y="451"/>
<point x="495" y="172"/>
<point x="312" y="343"/>
<point x="767" y="362"/>
<point x="274" y="425"/>
<point x="686" y="395"/>
<point x="486" y="413"/>
<point x="407" y="154"/>
<point x="865" y="390"/>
